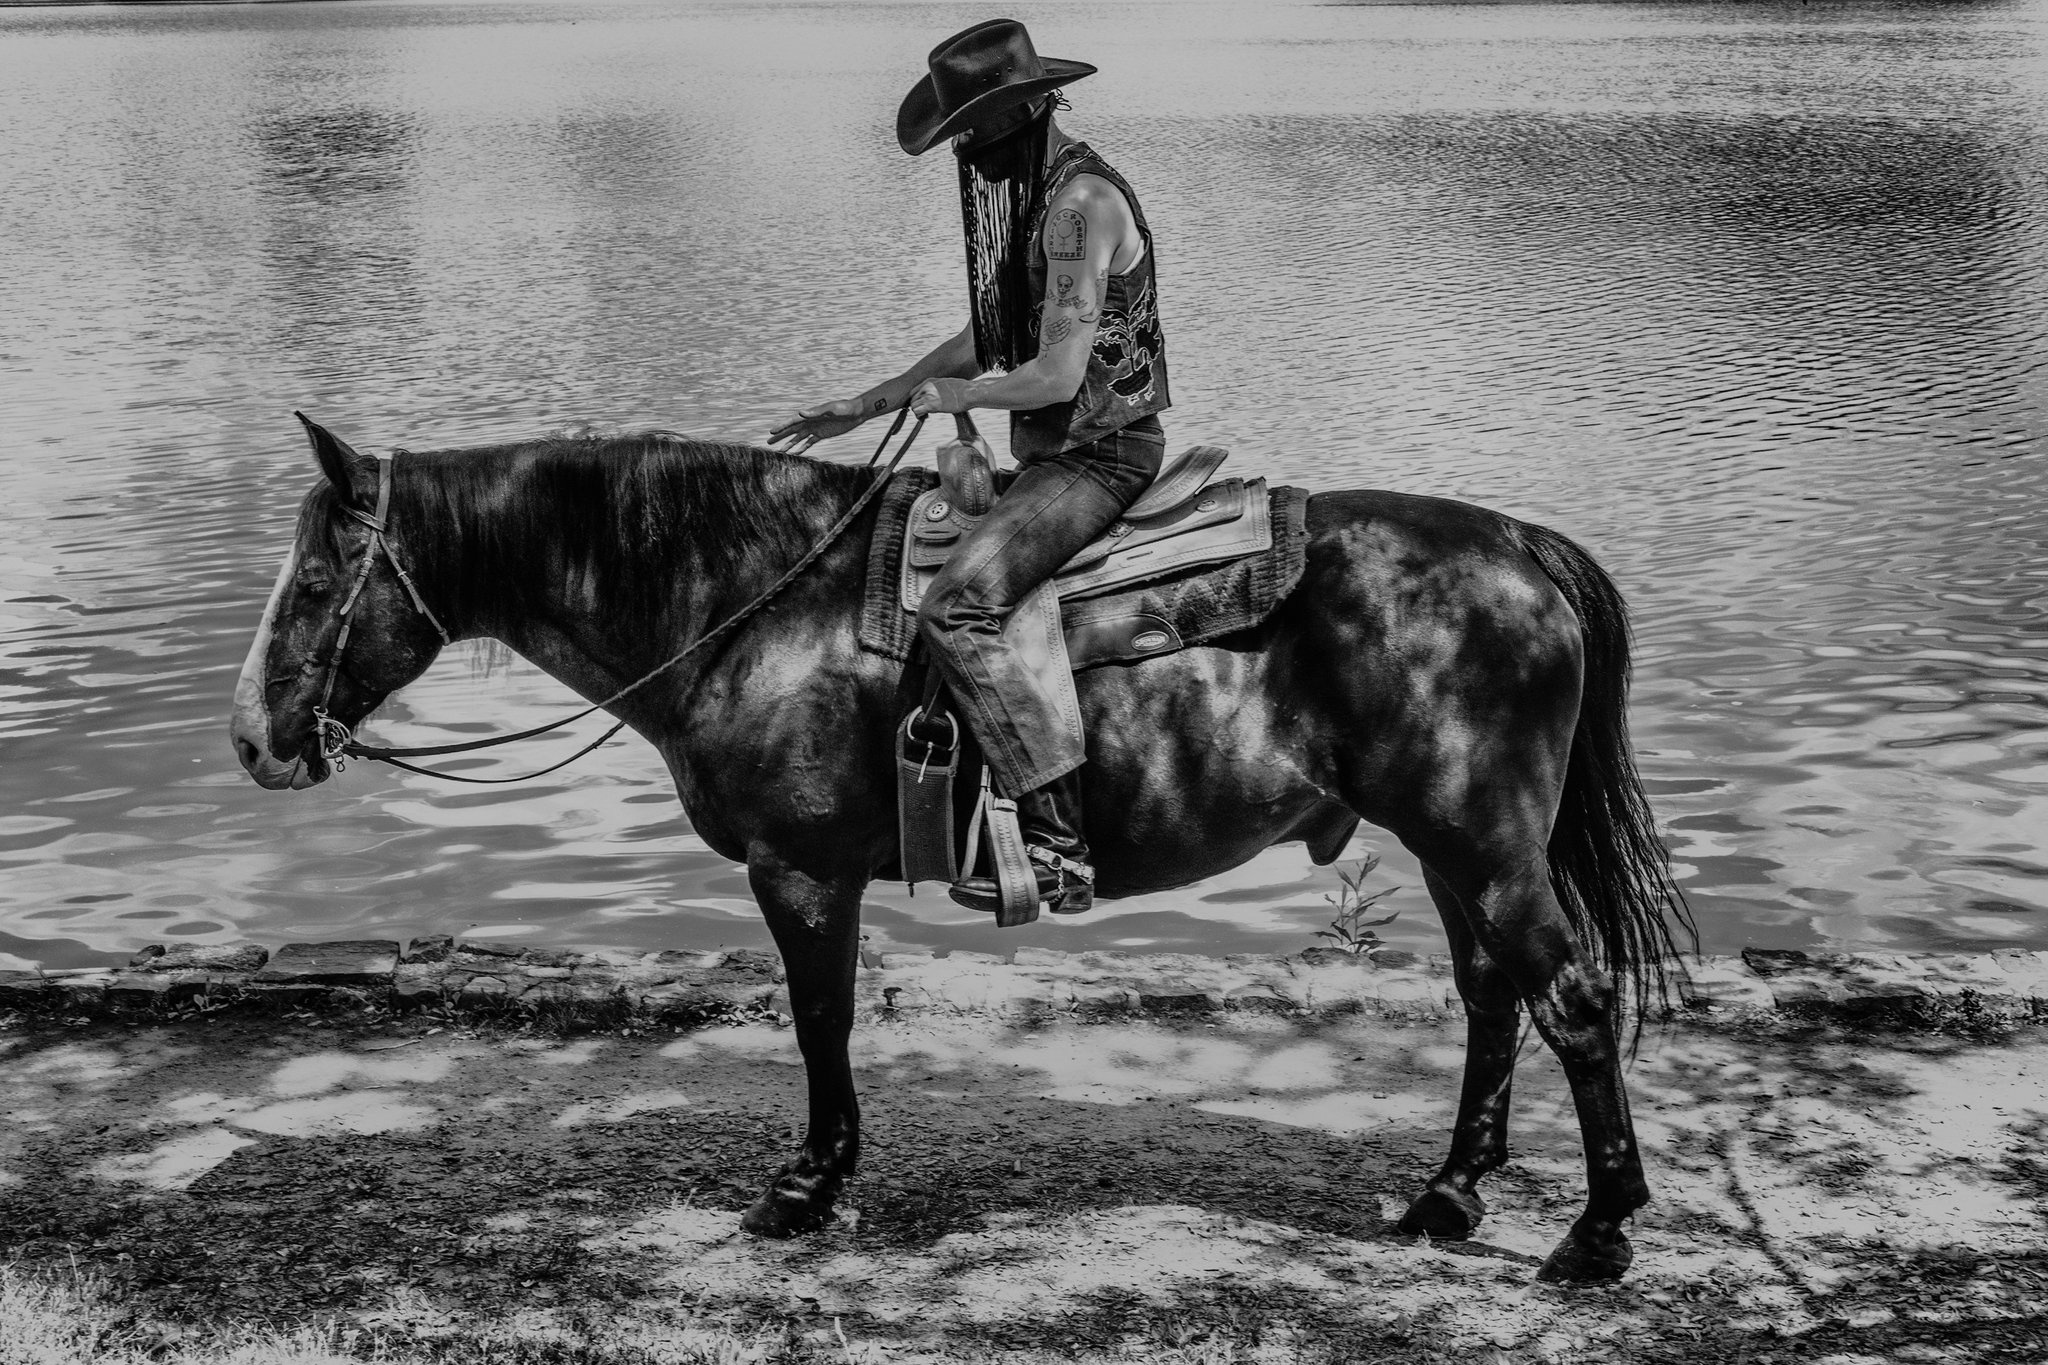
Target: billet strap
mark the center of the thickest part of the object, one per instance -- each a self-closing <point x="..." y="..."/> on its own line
<point x="924" y="800"/>
<point x="1016" y="883"/>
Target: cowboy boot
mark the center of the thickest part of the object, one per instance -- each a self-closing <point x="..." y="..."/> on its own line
<point x="1050" y="817"/>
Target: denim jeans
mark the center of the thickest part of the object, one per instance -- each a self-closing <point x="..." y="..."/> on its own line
<point x="1054" y="508"/>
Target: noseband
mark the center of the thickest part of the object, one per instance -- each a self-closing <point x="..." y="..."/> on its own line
<point x="334" y="736"/>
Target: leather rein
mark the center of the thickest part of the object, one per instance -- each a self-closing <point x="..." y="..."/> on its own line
<point x="338" y="743"/>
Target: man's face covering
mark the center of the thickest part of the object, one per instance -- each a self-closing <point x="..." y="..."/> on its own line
<point x="1002" y="154"/>
<point x="1000" y="165"/>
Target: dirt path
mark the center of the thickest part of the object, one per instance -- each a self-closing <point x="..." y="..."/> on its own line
<point x="1205" y="1190"/>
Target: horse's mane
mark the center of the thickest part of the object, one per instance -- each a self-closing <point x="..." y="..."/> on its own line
<point x="630" y="516"/>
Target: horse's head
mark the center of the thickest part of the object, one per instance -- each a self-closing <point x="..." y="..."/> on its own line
<point x="341" y="631"/>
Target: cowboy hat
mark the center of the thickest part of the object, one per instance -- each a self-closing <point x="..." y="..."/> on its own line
<point x="975" y="73"/>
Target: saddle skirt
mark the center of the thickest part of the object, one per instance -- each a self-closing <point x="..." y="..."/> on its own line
<point x="1189" y="561"/>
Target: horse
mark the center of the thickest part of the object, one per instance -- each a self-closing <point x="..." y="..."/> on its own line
<point x="1447" y="673"/>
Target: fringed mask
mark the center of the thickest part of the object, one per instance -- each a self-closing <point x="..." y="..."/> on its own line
<point x="1001" y="168"/>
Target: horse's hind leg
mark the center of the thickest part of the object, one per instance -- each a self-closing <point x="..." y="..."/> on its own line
<point x="1450" y="1207"/>
<point x="817" y="926"/>
<point x="1518" y="923"/>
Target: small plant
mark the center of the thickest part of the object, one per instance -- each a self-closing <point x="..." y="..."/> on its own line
<point x="1351" y="930"/>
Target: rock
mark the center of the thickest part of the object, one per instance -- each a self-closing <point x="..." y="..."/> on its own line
<point x="349" y="962"/>
<point x="1176" y="997"/>
<point x="1725" y="982"/>
<point x="1095" y="998"/>
<point x="25" y="991"/>
<point x="1040" y="957"/>
<point x="1396" y="957"/>
<point x="1258" y="998"/>
<point x="417" y="985"/>
<point x="752" y="962"/>
<point x="139" y="990"/>
<point x="82" y="992"/>
<point x="290" y="995"/>
<point x="211" y="957"/>
<point x="1769" y="962"/>
<point x="428" y="948"/>
<point x="483" y="990"/>
<point x="1409" y="989"/>
<point x="1808" y="986"/>
<point x="896" y="961"/>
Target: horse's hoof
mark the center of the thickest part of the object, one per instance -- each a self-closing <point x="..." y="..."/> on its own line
<point x="1445" y="1215"/>
<point x="778" y="1213"/>
<point x="1579" y="1260"/>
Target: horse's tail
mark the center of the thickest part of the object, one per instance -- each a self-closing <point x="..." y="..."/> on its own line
<point x="1607" y="866"/>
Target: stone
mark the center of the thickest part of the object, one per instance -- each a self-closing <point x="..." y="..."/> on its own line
<point x="1395" y="957"/>
<point x="1808" y="986"/>
<point x="1954" y="973"/>
<point x="752" y="962"/>
<point x="417" y="985"/>
<point x="1768" y="962"/>
<point x="1409" y="989"/>
<point x="139" y="990"/>
<point x="428" y="948"/>
<point x="483" y="990"/>
<point x="1172" y="996"/>
<point x="1258" y="998"/>
<point x="348" y="962"/>
<point x="1098" y="998"/>
<point x="897" y="961"/>
<point x="212" y="957"/>
<point x="85" y="991"/>
<point x="24" y="990"/>
<point x="963" y="957"/>
<point x="1040" y="957"/>
<point x="291" y="995"/>
<point x="1726" y="982"/>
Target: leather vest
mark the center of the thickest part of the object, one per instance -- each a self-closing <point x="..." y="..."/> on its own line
<point x="1126" y="375"/>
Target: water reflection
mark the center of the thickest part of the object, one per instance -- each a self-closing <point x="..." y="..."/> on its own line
<point x="1749" y="299"/>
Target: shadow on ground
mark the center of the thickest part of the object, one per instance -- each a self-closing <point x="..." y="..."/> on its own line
<point x="1114" y="1189"/>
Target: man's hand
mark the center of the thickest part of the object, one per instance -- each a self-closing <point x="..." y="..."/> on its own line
<point x="939" y="395"/>
<point x="819" y="423"/>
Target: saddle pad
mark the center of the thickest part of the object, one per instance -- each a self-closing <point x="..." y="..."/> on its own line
<point x="1172" y="609"/>
<point x="937" y="525"/>
<point x="1224" y="521"/>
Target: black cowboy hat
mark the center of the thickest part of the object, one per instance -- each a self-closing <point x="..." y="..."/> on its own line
<point x="975" y="73"/>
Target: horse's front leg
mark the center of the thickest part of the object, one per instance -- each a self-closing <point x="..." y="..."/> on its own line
<point x="817" y="926"/>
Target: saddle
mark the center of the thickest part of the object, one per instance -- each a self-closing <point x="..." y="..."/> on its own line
<point x="1182" y="522"/>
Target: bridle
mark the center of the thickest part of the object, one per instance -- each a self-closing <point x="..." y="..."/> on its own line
<point x="336" y="740"/>
<point x="338" y="743"/>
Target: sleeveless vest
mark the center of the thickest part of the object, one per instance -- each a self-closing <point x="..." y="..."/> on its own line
<point x="1126" y="374"/>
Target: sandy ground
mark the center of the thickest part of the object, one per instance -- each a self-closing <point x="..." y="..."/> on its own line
<point x="1121" y="1190"/>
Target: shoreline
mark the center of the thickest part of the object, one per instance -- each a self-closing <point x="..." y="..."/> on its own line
<point x="608" y="988"/>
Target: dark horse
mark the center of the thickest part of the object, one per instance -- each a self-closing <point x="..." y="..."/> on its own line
<point x="1449" y="674"/>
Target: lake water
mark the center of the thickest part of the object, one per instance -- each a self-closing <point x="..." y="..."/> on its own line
<point x="1751" y="300"/>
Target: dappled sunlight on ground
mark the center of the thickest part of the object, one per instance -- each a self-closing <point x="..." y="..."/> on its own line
<point x="1023" y="1182"/>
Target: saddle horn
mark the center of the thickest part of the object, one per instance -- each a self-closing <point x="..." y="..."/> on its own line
<point x="967" y="469"/>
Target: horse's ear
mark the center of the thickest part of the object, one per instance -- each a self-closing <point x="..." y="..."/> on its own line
<point x="354" y="475"/>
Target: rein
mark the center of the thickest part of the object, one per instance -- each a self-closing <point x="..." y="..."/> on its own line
<point x="338" y="743"/>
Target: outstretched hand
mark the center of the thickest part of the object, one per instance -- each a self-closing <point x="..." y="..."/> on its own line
<point x="820" y="422"/>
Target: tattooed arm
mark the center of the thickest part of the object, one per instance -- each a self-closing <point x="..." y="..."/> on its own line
<point x="952" y="359"/>
<point x="1083" y="229"/>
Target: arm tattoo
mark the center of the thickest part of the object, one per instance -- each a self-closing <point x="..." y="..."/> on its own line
<point x="1058" y="331"/>
<point x="881" y="405"/>
<point x="1066" y="236"/>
